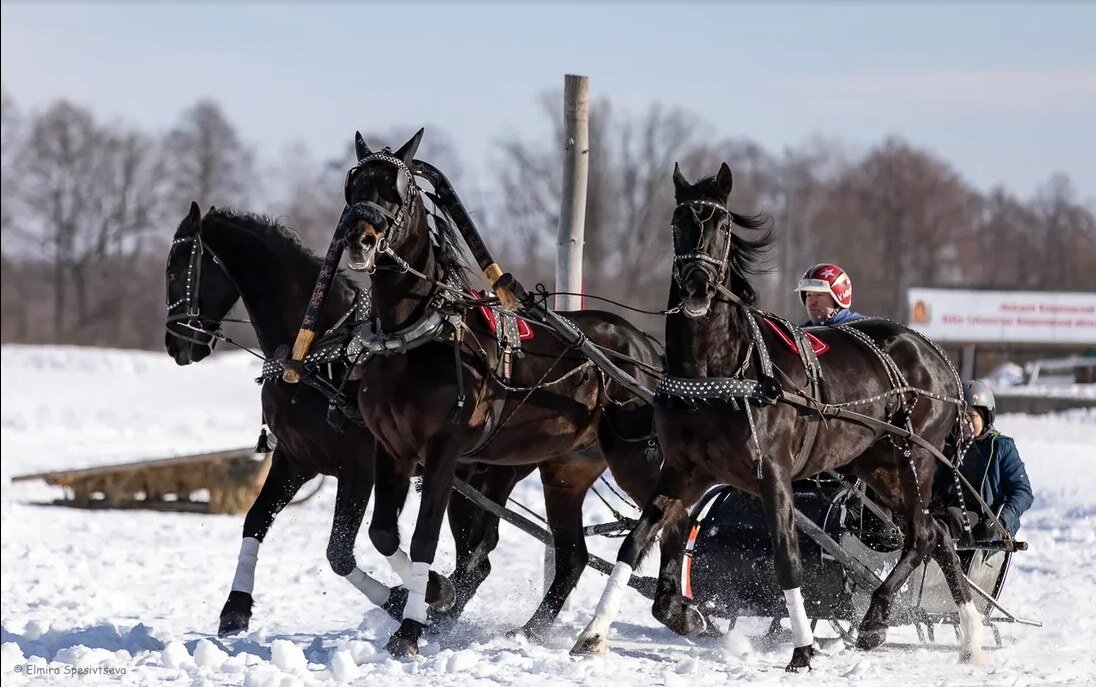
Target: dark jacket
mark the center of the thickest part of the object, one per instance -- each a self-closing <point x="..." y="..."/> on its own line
<point x="843" y="316"/>
<point x="992" y="464"/>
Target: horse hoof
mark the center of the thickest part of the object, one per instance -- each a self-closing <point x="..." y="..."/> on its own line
<point x="440" y="592"/>
<point x="588" y="645"/>
<point x="870" y="638"/>
<point x="693" y="623"/>
<point x="689" y="621"/>
<point x="233" y="623"/>
<point x="801" y="659"/>
<point x="528" y="634"/>
<point x="974" y="658"/>
<point x="236" y="614"/>
<point x="398" y="647"/>
<point x="404" y="642"/>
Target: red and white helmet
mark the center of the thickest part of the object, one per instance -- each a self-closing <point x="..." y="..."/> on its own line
<point x="827" y="278"/>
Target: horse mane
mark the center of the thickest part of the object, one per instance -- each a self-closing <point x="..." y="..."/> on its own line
<point x="747" y="254"/>
<point x="276" y="236"/>
<point x="448" y="245"/>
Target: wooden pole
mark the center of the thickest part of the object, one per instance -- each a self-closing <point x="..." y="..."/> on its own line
<point x="576" y="169"/>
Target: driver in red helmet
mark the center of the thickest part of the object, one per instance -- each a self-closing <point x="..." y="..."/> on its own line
<point x="826" y="291"/>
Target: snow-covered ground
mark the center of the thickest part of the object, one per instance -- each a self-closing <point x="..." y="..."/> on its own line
<point x="133" y="597"/>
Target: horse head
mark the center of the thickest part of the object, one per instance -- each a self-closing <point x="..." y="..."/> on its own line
<point x="199" y="293"/>
<point x="384" y="207"/>
<point x="702" y="238"/>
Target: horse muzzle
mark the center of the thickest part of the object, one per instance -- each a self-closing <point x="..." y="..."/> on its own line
<point x="696" y="290"/>
<point x="368" y="244"/>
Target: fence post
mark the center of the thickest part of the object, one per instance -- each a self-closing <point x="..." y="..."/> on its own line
<point x="576" y="168"/>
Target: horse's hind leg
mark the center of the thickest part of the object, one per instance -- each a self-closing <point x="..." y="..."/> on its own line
<point x="913" y="495"/>
<point x="674" y="486"/>
<point x="355" y="484"/>
<point x="476" y="532"/>
<point x="566" y="482"/>
<point x="282" y="482"/>
<point x="970" y="620"/>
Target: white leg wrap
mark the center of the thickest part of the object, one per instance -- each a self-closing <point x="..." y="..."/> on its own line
<point x="609" y="604"/>
<point x="970" y="626"/>
<point x="416" y="592"/>
<point x="244" y="581"/>
<point x="801" y="625"/>
<point x="401" y="564"/>
<point x="374" y="590"/>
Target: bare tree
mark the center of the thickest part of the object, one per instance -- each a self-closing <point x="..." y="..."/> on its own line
<point x="1066" y="232"/>
<point x="629" y="199"/>
<point x="10" y="142"/>
<point x="206" y="161"/>
<point x="91" y="196"/>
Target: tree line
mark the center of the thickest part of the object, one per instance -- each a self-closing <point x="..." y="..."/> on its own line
<point x="89" y="208"/>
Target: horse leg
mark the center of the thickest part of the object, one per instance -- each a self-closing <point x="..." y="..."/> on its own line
<point x="393" y="479"/>
<point x="282" y="483"/>
<point x="970" y="620"/>
<point x="476" y="533"/>
<point x="565" y="489"/>
<point x="674" y="486"/>
<point x="671" y="607"/>
<point x="779" y="505"/>
<point x="913" y="497"/>
<point x="440" y="466"/>
<point x="350" y="505"/>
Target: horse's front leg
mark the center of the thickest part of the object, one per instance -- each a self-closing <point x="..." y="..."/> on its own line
<point x="440" y="465"/>
<point x="393" y="479"/>
<point x="355" y="485"/>
<point x="779" y="506"/>
<point x="476" y="533"/>
<point x="282" y="483"/>
<point x="673" y="485"/>
<point x="670" y="606"/>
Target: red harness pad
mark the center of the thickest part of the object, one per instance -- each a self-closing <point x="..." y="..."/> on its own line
<point x="818" y="345"/>
<point x="525" y="331"/>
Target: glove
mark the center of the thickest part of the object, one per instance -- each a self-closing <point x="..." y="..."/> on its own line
<point x="985" y="530"/>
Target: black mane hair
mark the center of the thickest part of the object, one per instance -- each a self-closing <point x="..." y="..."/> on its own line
<point x="747" y="254"/>
<point x="276" y="236"/>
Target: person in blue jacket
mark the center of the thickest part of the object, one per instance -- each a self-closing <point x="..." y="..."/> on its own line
<point x="826" y="291"/>
<point x="993" y="466"/>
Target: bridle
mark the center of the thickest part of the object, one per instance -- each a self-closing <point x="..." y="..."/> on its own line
<point x="190" y="318"/>
<point x="406" y="189"/>
<point x="685" y="261"/>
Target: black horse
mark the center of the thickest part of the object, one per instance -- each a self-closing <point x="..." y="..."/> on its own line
<point x="715" y="338"/>
<point x="430" y="404"/>
<point x="214" y="262"/>
<point x="225" y="256"/>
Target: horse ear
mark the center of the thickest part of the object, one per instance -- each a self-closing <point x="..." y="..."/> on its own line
<point x="194" y="218"/>
<point x="407" y="150"/>
<point x="360" y="148"/>
<point x="724" y="181"/>
<point x="680" y="182"/>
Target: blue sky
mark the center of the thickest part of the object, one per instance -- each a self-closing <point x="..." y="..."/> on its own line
<point x="1007" y="92"/>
